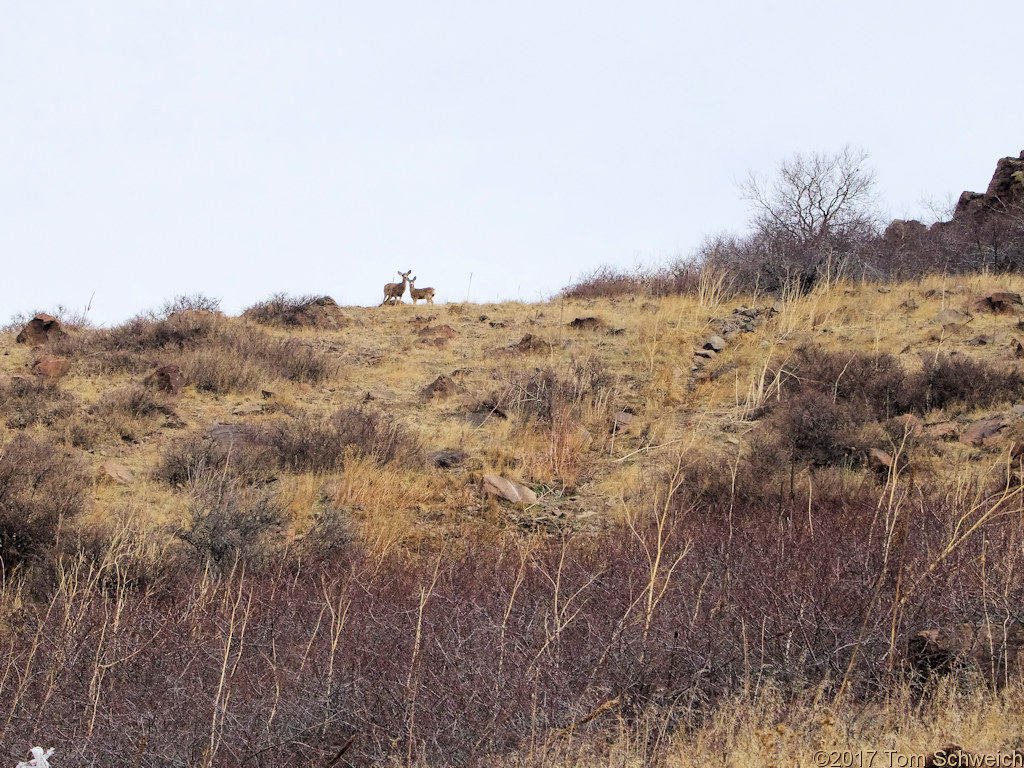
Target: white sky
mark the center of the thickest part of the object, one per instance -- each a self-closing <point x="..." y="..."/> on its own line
<point x="240" y="148"/>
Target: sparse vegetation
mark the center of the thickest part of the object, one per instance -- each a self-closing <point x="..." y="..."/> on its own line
<point x="745" y="510"/>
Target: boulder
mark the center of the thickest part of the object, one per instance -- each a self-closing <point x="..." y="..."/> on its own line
<point x="531" y="343"/>
<point x="440" y="388"/>
<point x="950" y="317"/>
<point x="984" y="432"/>
<point x="1000" y="302"/>
<point x="39" y="330"/>
<point x="907" y="424"/>
<point x="714" y="342"/>
<point x="510" y="490"/>
<point x="114" y="472"/>
<point x="51" y="366"/>
<point x="167" y="378"/>
<point x="1004" y="194"/>
<point x="879" y="459"/>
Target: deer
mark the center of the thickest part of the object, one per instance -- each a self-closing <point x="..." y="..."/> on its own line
<point x="393" y="291"/>
<point x="420" y="293"/>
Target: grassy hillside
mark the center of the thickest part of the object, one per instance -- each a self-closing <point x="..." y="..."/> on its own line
<point x="294" y="558"/>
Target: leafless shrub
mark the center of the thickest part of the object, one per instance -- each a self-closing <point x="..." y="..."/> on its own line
<point x="195" y="302"/>
<point x="675" y="278"/>
<point x="230" y="522"/>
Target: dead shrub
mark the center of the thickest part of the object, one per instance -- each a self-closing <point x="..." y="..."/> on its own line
<point x="42" y="489"/>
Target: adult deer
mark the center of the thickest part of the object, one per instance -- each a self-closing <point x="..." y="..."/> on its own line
<point x="420" y="293"/>
<point x="393" y="292"/>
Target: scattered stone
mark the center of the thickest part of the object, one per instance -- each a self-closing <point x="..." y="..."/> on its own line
<point x="510" y="490"/>
<point x="496" y="324"/>
<point x="1018" y="410"/>
<point x="440" y="388"/>
<point x="714" y="343"/>
<point x="167" y="378"/>
<point x="984" y="432"/>
<point x="587" y="324"/>
<point x="114" y="472"/>
<point x="266" y="394"/>
<point x="247" y="410"/>
<point x="616" y="331"/>
<point x="483" y="318"/>
<point x="51" y="366"/>
<point x="39" y="330"/>
<point x="447" y="459"/>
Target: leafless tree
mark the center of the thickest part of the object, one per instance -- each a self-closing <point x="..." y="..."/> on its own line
<point x="822" y="198"/>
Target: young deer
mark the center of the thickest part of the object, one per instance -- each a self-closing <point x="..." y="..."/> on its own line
<point x="420" y="293"/>
<point x="393" y="292"/>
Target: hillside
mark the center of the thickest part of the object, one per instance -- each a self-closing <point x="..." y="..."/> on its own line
<point x="273" y="537"/>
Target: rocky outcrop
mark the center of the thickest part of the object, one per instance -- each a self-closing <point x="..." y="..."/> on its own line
<point x="1005" y="193"/>
<point x="39" y="330"/>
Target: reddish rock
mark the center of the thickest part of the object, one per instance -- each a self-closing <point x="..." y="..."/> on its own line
<point x="40" y="330"/>
<point x="167" y="378"/>
<point x="531" y="343"/>
<point x="984" y="432"/>
<point x="51" y="366"/>
<point x="440" y="388"/>
<point x="510" y="490"/>
<point x="908" y="424"/>
<point x="999" y="302"/>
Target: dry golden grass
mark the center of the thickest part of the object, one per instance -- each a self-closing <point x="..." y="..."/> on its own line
<point x="643" y="347"/>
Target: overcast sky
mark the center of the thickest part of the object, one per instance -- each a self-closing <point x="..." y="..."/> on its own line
<point x="240" y="148"/>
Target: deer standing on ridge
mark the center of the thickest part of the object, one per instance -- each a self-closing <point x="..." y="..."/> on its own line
<point x="393" y="292"/>
<point x="420" y="293"/>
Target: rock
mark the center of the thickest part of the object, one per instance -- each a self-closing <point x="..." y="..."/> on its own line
<point x="1005" y="192"/>
<point x="114" y="472"/>
<point x="167" y="378"/>
<point x="998" y="301"/>
<point x="247" y="410"/>
<point x="438" y="331"/>
<point x="39" y="330"/>
<point x="714" y="342"/>
<point x="994" y="648"/>
<point x="950" y="316"/>
<point x="900" y="231"/>
<point x="447" y="459"/>
<point x="879" y="459"/>
<point x="531" y="343"/>
<point x="496" y="324"/>
<point x="984" y="432"/>
<point x="224" y="433"/>
<point x="907" y="424"/>
<point x="943" y="430"/>
<point x="510" y="490"/>
<point x="440" y="388"/>
<point x="586" y="323"/>
<point x="621" y="423"/>
<point x="51" y="366"/>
